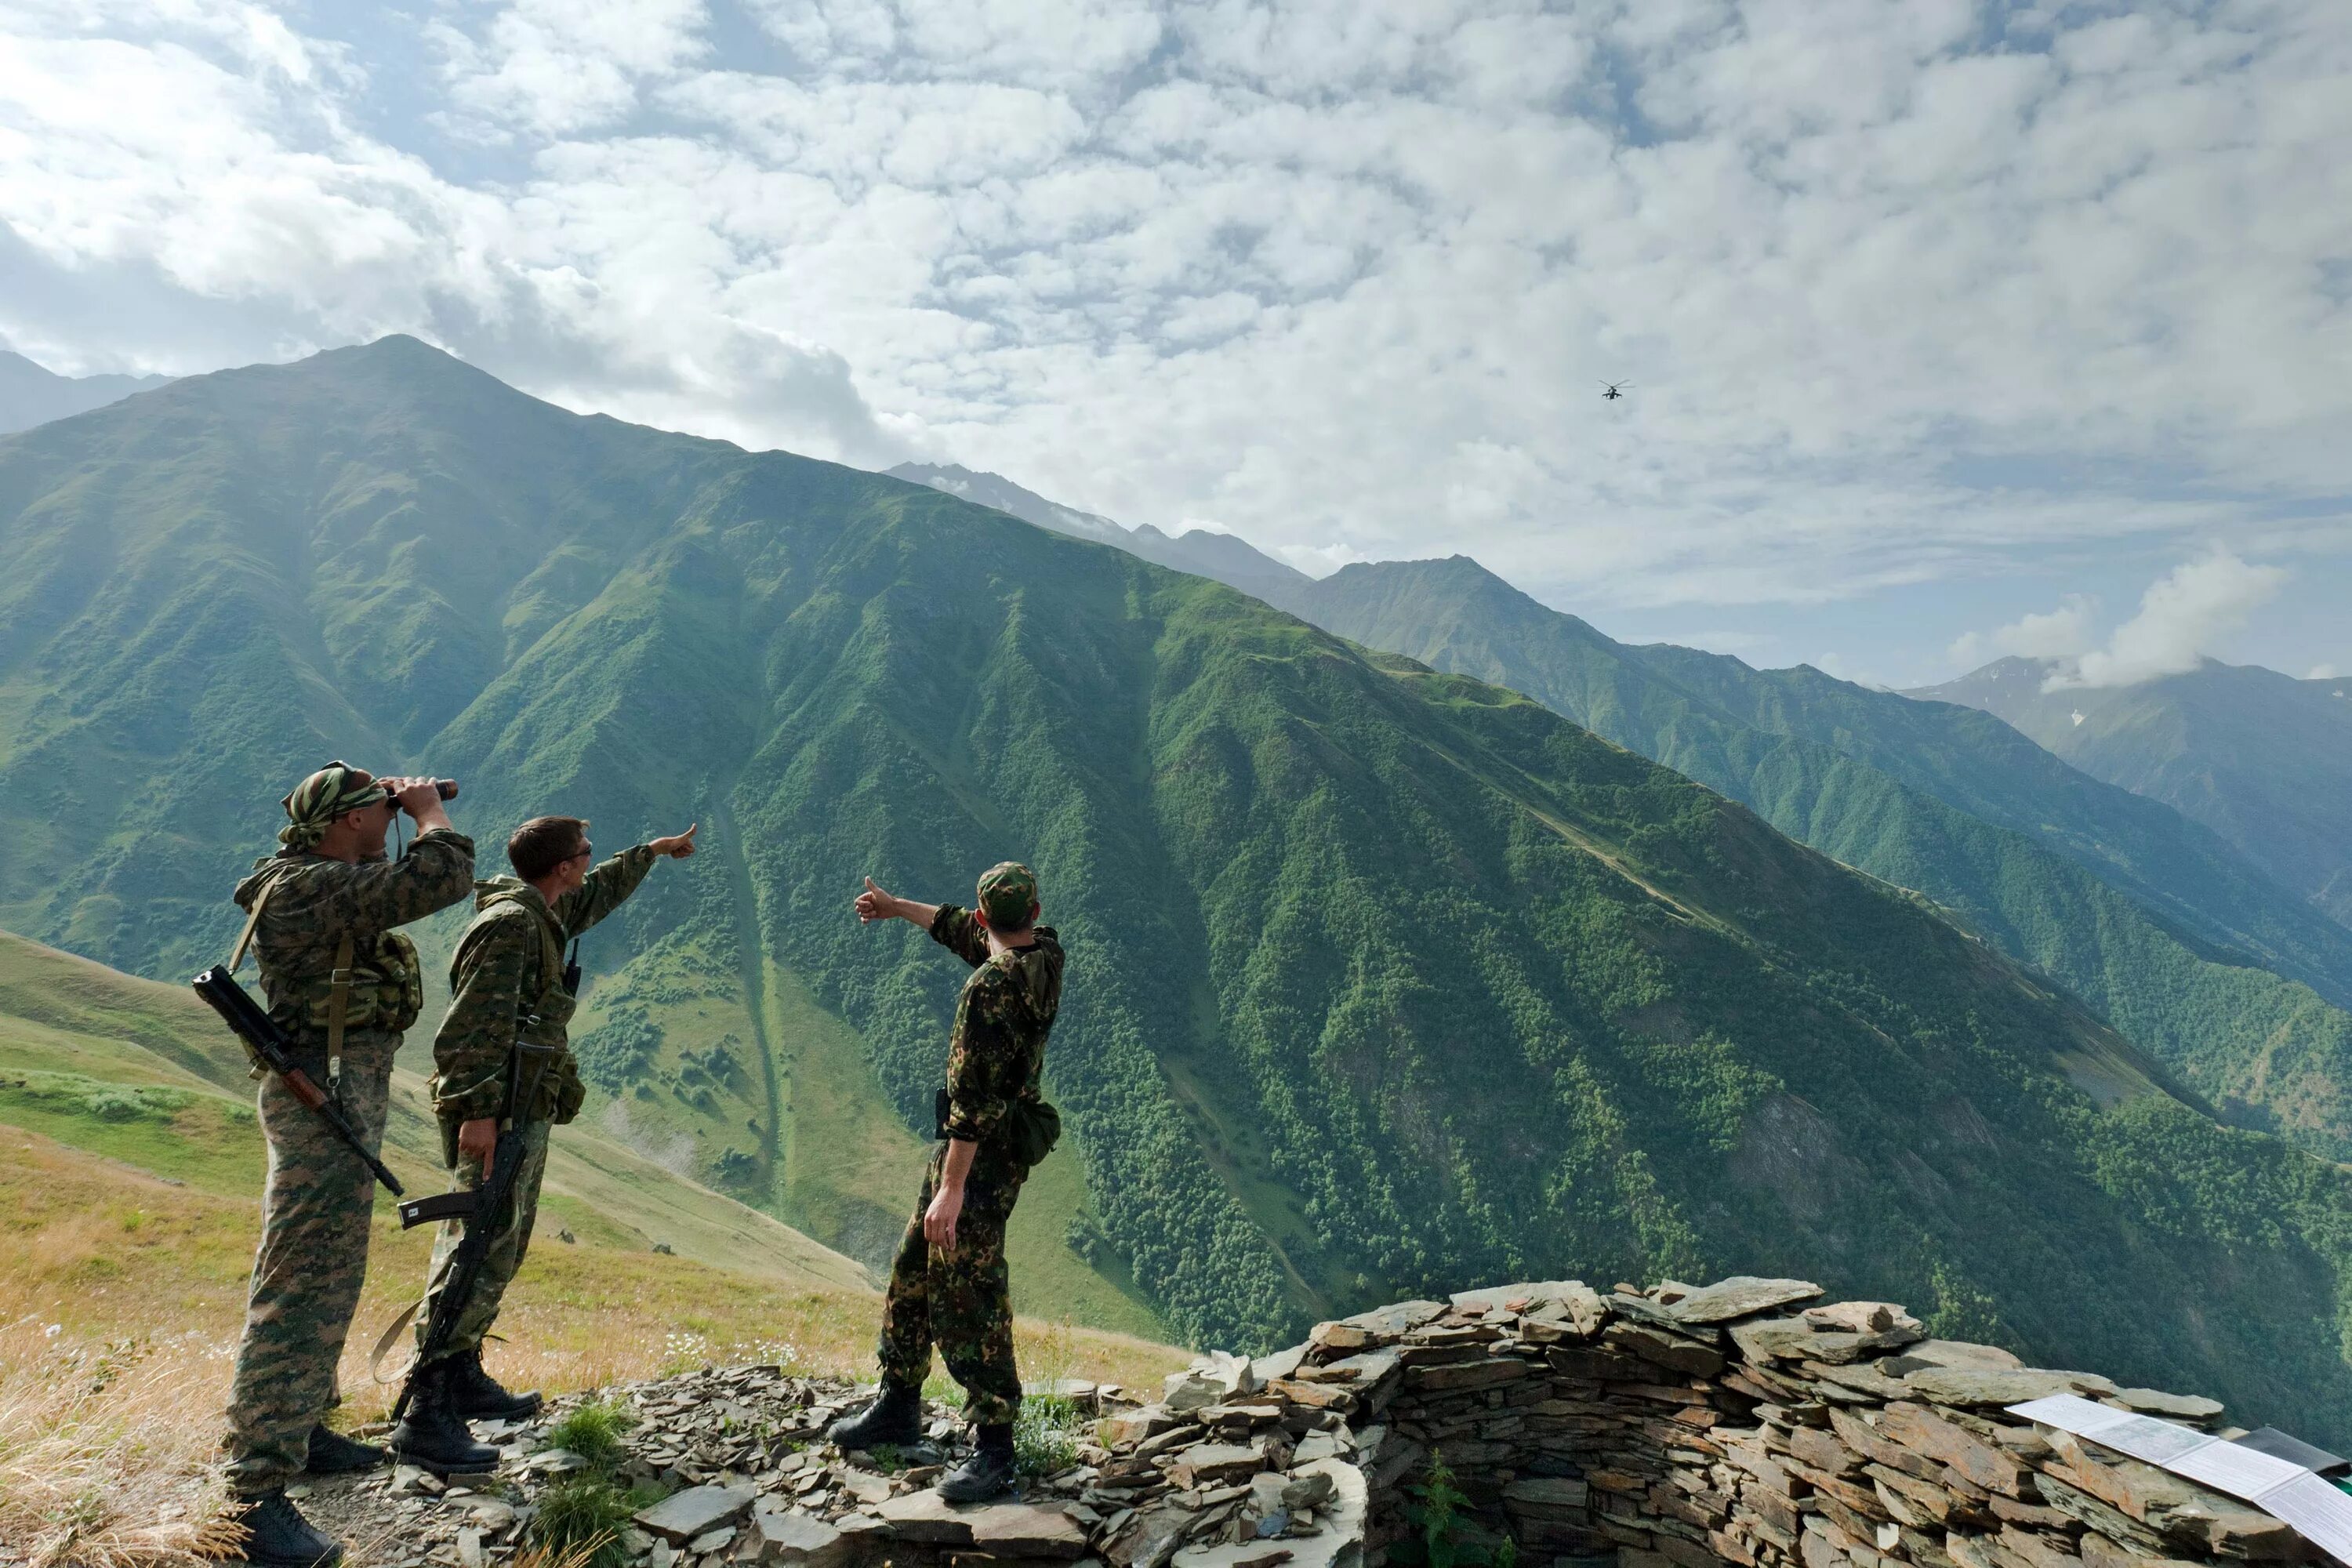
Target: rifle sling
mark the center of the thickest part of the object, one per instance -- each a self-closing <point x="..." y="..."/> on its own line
<point x="244" y="937"/>
<point x="339" y="998"/>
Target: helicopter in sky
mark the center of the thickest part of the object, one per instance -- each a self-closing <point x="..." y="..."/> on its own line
<point x="1613" y="392"/>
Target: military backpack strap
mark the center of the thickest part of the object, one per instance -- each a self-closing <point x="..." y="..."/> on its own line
<point x="252" y="922"/>
<point x="339" y="1003"/>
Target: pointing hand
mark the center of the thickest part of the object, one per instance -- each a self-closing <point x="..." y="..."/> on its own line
<point x="678" y="846"/>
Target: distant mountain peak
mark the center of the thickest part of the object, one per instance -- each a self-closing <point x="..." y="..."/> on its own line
<point x="1227" y="557"/>
<point x="2261" y="758"/>
<point x="31" y="394"/>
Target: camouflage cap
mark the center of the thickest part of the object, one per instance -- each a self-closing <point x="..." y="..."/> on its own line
<point x="325" y="795"/>
<point x="1008" y="892"/>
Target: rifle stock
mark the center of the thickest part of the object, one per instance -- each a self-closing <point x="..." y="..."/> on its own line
<point x="273" y="1049"/>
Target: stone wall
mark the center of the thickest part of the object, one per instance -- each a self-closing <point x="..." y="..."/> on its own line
<point x="1742" y="1422"/>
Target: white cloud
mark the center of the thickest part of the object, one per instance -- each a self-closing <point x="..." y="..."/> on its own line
<point x="555" y="66"/>
<point x="1900" y="301"/>
<point x="2181" y="617"/>
<point x="2065" y="632"/>
<point x="2322" y="672"/>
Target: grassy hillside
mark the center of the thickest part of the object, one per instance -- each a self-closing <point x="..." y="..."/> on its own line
<point x="2261" y="758"/>
<point x="144" y="1073"/>
<point x="1381" y="980"/>
<point x="2147" y="917"/>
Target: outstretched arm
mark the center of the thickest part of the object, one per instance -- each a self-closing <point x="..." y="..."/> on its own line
<point x="874" y="904"/>
<point x="609" y="885"/>
<point x="951" y="926"/>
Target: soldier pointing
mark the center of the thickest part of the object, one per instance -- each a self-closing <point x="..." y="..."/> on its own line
<point x="948" y="1284"/>
<point x="343" y="981"/>
<point x="508" y="986"/>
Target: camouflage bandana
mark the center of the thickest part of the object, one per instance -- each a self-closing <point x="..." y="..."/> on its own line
<point x="1007" y="893"/>
<point x="323" y="797"/>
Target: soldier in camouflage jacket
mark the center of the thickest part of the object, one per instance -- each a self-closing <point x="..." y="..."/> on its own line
<point x="507" y="984"/>
<point x="948" y="1284"/>
<point x="331" y="885"/>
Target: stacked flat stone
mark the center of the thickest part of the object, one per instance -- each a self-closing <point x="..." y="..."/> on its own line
<point x="1744" y="1423"/>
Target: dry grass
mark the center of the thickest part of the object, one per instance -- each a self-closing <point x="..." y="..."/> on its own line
<point x="104" y="1447"/>
<point x="109" y="1420"/>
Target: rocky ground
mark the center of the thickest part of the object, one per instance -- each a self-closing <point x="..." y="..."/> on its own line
<point x="739" y="1462"/>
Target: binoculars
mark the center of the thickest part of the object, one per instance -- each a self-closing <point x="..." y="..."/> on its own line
<point x="448" y="788"/>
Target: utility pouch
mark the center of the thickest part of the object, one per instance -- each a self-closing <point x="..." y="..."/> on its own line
<point x="1032" y="1128"/>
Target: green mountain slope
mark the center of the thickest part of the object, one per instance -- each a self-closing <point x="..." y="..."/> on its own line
<point x="1381" y="980"/>
<point x="144" y="1072"/>
<point x="2144" y="915"/>
<point x="2261" y="758"/>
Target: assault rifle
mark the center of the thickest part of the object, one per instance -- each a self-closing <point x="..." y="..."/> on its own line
<point x="273" y="1048"/>
<point x="484" y="1209"/>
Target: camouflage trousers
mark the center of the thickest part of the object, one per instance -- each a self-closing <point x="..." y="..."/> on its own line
<point x="315" y="1216"/>
<point x="962" y="1300"/>
<point x="511" y="1240"/>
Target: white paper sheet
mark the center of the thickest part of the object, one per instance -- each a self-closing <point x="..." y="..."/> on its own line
<point x="2241" y="1472"/>
<point x="2158" y="1442"/>
<point x="2322" y="1514"/>
<point x="2278" y="1486"/>
<point x="2070" y="1413"/>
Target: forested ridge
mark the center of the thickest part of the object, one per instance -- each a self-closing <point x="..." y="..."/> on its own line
<point x="1382" y="981"/>
<point x="2170" y="935"/>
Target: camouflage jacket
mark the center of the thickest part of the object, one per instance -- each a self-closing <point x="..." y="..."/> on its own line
<point x="314" y="903"/>
<point x="506" y="981"/>
<point x="997" y="1053"/>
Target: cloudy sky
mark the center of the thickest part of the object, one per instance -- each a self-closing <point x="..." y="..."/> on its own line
<point x="1953" y="329"/>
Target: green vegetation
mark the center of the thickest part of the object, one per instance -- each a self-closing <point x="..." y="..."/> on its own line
<point x="1382" y="981"/>
<point x="1045" y="1435"/>
<point x="2166" y="932"/>
<point x="593" y="1431"/>
<point x="586" y="1511"/>
<point x="1442" y="1538"/>
<point x="584" y="1514"/>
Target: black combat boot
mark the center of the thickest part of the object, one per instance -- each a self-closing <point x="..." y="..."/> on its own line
<point x="896" y="1416"/>
<point x="989" y="1472"/>
<point x="434" y="1434"/>
<point x="477" y="1396"/>
<point x="277" y="1536"/>
<point x="333" y="1454"/>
